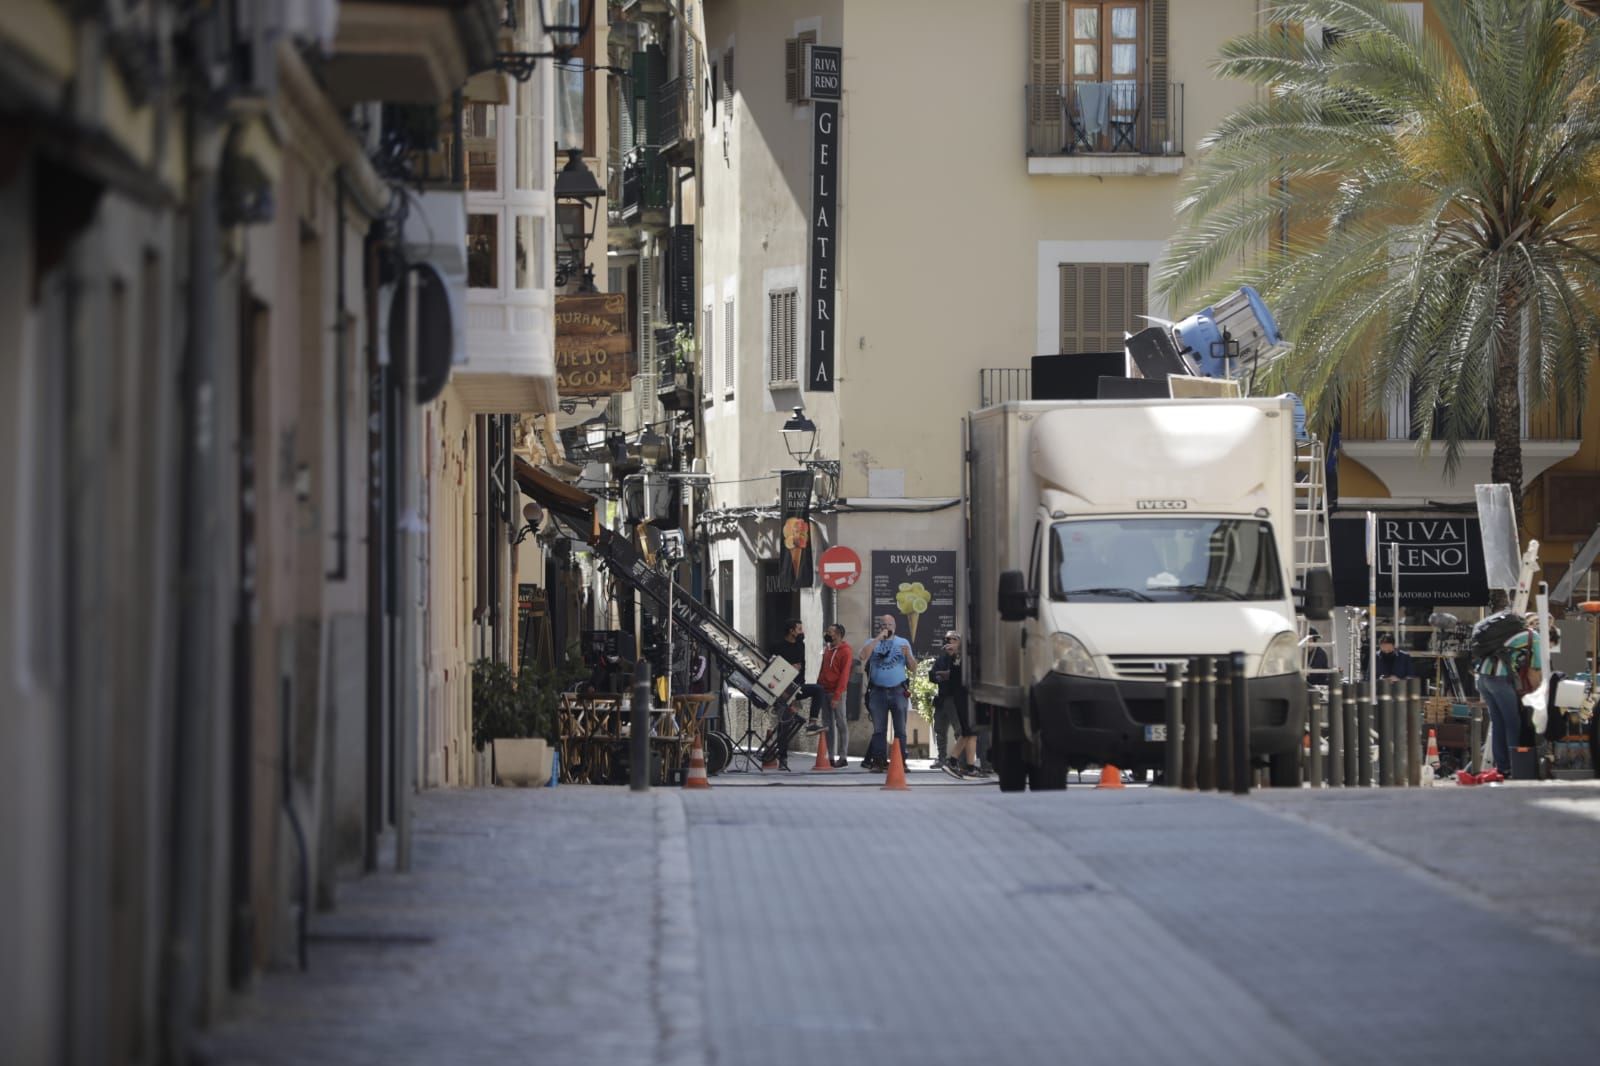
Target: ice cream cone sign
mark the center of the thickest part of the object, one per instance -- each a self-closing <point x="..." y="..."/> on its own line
<point x="912" y="599"/>
<point x="796" y="538"/>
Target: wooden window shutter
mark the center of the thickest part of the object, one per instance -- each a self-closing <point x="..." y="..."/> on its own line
<point x="782" y="367"/>
<point x="1045" y="58"/>
<point x="1070" y="344"/>
<point x="647" y="336"/>
<point x="1160" y="130"/>
<point x="708" y="351"/>
<point x="681" y="295"/>
<point x="794" y="59"/>
<point x="727" y="82"/>
<point x="729" y="362"/>
<point x="1100" y="304"/>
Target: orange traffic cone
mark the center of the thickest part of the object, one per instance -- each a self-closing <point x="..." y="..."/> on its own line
<point x="823" y="762"/>
<point x="1110" y="777"/>
<point x="696" y="777"/>
<point x="1433" y="750"/>
<point x="896" y="781"/>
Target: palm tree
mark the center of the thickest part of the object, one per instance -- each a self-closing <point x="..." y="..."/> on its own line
<point x="1418" y="209"/>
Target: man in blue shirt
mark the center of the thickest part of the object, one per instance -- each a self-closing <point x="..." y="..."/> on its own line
<point x="888" y="661"/>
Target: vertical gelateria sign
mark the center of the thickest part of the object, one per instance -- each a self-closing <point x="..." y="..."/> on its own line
<point x="823" y="82"/>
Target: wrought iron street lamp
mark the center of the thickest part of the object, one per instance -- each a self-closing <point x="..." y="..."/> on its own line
<point x="800" y="438"/>
<point x="576" y="189"/>
<point x="799" y="435"/>
<point x="565" y="28"/>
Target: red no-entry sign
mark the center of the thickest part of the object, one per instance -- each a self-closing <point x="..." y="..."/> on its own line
<point x="840" y="567"/>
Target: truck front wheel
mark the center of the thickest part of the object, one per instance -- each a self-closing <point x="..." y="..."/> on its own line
<point x="1284" y="770"/>
<point x="1049" y="774"/>
<point x="1009" y="767"/>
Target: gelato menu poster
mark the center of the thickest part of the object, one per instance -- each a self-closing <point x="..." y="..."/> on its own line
<point x="796" y="570"/>
<point x="919" y="589"/>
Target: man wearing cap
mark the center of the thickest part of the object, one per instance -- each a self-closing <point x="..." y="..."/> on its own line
<point x="1392" y="663"/>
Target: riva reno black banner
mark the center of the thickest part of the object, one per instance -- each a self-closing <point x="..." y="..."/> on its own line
<point x="1440" y="560"/>
<point x="796" y="570"/>
<point x="824" y="226"/>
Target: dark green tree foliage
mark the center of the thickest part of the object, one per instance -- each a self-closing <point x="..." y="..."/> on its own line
<point x="1418" y="207"/>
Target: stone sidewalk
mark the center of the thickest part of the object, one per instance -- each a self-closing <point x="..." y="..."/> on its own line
<point x="953" y="925"/>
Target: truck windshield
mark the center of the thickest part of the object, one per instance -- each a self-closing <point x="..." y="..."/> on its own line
<point x="1164" y="560"/>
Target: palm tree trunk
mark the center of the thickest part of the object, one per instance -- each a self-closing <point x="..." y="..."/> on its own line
<point x="1506" y="464"/>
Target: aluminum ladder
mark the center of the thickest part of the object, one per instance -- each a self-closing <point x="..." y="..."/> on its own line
<point x="1311" y="550"/>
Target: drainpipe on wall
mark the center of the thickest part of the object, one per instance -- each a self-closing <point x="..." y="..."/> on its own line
<point x="409" y="616"/>
<point x="183" y="961"/>
<point x="378" y="552"/>
<point x="341" y="399"/>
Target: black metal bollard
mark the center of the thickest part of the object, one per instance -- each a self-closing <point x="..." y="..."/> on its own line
<point x="1222" y="747"/>
<point x="1475" y="741"/>
<point x="1364" y="707"/>
<point x="1241" y="727"/>
<point x="1191" y="724"/>
<point x="1385" y="733"/>
<point x="1172" y="767"/>
<point x="1352" y="717"/>
<point x="1314" y="747"/>
<point x="1206" y="742"/>
<point x="1335" y="732"/>
<point x="1414" y="732"/>
<point x="639" y="731"/>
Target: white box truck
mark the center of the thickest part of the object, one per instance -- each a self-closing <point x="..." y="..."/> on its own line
<point x="1106" y="538"/>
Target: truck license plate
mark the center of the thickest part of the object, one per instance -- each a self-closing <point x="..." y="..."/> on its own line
<point x="1155" y="732"/>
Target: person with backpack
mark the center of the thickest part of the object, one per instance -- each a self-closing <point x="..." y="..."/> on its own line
<point x="1507" y="649"/>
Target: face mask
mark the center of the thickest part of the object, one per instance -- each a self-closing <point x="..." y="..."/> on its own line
<point x="827" y="638"/>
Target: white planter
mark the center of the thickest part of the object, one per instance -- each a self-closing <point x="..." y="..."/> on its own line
<point x="522" y="763"/>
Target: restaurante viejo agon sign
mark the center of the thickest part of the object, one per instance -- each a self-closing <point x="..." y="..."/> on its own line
<point x="595" y="353"/>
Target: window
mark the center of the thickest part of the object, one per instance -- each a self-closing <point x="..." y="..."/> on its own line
<point x="782" y="370"/>
<point x="708" y="360"/>
<point x="1109" y="56"/>
<point x="483" y="251"/>
<point x="529" y="252"/>
<point x="727" y="82"/>
<point x="480" y="120"/>
<point x="1164" y="560"/>
<point x="728" y="365"/>
<point x="1100" y="303"/>
<point x="794" y="59"/>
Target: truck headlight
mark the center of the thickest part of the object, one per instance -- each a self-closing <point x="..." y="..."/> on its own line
<point x="1070" y="656"/>
<point x="1281" y="657"/>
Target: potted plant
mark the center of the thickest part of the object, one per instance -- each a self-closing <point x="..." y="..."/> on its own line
<point x="515" y="715"/>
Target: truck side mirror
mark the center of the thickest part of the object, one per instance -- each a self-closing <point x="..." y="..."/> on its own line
<point x="1015" y="603"/>
<point x="1317" y="595"/>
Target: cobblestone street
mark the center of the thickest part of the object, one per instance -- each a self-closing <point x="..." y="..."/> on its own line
<point x="757" y="924"/>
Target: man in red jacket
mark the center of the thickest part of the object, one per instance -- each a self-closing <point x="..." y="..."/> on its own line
<point x="834" y="680"/>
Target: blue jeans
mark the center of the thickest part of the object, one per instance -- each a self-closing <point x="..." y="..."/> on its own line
<point x="1505" y="714"/>
<point x="880" y="701"/>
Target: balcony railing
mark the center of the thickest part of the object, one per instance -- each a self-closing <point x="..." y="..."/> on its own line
<point x="996" y="385"/>
<point x="1394" y="421"/>
<point x="646" y="183"/>
<point x="1105" y="118"/>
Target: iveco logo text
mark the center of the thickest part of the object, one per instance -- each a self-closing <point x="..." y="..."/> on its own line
<point x="1163" y="505"/>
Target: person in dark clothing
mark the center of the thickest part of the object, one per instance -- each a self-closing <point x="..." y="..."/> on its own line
<point x="948" y="672"/>
<point x="1392" y="663"/>
<point x="792" y="649"/>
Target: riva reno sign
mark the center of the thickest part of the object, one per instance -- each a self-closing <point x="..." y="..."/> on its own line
<point x="1440" y="558"/>
<point x="823" y="69"/>
<point x="594" y="347"/>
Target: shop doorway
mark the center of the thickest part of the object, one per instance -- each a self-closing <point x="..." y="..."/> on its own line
<point x="778" y="604"/>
